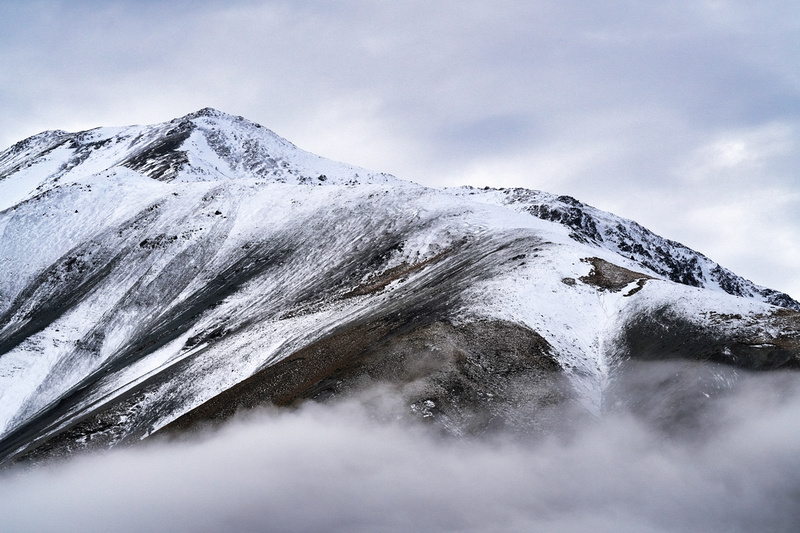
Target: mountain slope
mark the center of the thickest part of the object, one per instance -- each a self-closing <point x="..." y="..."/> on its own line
<point x="657" y="255"/>
<point x="152" y="277"/>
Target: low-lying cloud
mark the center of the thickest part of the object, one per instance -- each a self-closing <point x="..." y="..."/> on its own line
<point x="338" y="468"/>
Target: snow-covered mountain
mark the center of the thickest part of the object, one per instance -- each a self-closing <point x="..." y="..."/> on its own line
<point x="659" y="256"/>
<point x="155" y="276"/>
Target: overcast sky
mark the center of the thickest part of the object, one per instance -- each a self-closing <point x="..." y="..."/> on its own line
<point x="684" y="116"/>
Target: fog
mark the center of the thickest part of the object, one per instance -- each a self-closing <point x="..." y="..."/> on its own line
<point x="345" y="467"/>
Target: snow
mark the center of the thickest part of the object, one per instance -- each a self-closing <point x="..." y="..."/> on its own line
<point x="650" y="253"/>
<point x="168" y="243"/>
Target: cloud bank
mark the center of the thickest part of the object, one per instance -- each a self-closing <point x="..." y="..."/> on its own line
<point x="337" y="468"/>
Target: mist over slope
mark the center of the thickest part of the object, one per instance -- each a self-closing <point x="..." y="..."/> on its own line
<point x="345" y="467"/>
<point x="156" y="279"/>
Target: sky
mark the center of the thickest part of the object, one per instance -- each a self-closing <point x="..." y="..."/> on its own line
<point x="681" y="115"/>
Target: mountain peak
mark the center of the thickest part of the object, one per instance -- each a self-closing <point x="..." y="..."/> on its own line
<point x="206" y="145"/>
<point x="208" y="112"/>
<point x="212" y="113"/>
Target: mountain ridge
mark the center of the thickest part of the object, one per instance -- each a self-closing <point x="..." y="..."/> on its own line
<point x="655" y="253"/>
<point x="661" y="256"/>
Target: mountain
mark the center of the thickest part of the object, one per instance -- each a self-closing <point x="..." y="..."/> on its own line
<point x="153" y="278"/>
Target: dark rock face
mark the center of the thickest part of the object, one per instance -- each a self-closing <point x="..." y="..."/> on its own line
<point x="467" y="379"/>
<point x="726" y="339"/>
<point x="572" y="216"/>
<point x="673" y="373"/>
<point x="162" y="158"/>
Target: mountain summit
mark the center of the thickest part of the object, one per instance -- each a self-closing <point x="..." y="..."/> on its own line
<point x="153" y="277"/>
<point x="207" y="145"/>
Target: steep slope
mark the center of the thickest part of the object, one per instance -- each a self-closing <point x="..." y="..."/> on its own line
<point x="657" y="255"/>
<point x="153" y="277"/>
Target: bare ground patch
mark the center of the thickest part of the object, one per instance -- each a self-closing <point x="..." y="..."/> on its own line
<point x="611" y="277"/>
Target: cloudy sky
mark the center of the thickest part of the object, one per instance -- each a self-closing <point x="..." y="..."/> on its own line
<point x="683" y="115"/>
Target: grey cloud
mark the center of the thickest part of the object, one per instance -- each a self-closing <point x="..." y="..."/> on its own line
<point x="496" y="135"/>
<point x="338" y="468"/>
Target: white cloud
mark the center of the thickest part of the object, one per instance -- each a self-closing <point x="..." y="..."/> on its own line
<point x="340" y="469"/>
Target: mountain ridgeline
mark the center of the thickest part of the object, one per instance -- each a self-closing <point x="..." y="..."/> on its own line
<point x="157" y="278"/>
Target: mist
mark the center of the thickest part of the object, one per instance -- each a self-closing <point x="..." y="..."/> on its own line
<point x="348" y="467"/>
